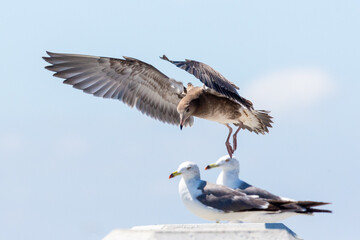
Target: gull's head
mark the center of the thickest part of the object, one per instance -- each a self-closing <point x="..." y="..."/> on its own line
<point x="226" y="163"/>
<point x="187" y="170"/>
<point x="186" y="108"/>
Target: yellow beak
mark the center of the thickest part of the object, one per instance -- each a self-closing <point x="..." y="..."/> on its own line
<point x="213" y="165"/>
<point x="174" y="174"/>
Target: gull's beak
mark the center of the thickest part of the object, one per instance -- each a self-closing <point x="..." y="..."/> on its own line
<point x="213" y="165"/>
<point x="182" y="121"/>
<point x="174" y="174"/>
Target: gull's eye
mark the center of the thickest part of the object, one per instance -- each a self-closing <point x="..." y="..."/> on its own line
<point x="187" y="109"/>
<point x="227" y="160"/>
<point x="188" y="168"/>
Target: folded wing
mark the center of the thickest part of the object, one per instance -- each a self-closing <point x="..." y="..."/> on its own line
<point x="132" y="81"/>
<point x="251" y="190"/>
<point x="228" y="200"/>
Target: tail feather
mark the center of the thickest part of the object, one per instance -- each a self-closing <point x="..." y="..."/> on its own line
<point x="311" y="203"/>
<point x="313" y="210"/>
<point x="265" y="118"/>
<point x="305" y="207"/>
<point x="258" y="121"/>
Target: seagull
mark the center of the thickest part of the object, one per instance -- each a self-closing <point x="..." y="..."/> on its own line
<point x="219" y="203"/>
<point x="139" y="84"/>
<point x="229" y="177"/>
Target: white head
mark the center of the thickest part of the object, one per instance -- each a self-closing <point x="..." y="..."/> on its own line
<point x="226" y="163"/>
<point x="188" y="170"/>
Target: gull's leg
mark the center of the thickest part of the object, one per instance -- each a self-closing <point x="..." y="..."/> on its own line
<point x="227" y="143"/>
<point x="235" y="136"/>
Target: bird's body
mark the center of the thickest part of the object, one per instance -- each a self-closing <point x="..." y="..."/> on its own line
<point x="212" y="107"/>
<point x="215" y="107"/>
<point x="225" y="179"/>
<point x="229" y="177"/>
<point x="220" y="203"/>
<point x="191" y="189"/>
<point x="141" y="85"/>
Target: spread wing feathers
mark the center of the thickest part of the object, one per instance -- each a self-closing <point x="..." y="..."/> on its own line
<point x="132" y="81"/>
<point x="212" y="79"/>
<point x="228" y="200"/>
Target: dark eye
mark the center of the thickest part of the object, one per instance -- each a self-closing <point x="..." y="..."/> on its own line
<point x="187" y="109"/>
<point x="227" y="160"/>
<point x="188" y="168"/>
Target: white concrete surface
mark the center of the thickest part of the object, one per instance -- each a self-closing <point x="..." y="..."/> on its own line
<point x="226" y="231"/>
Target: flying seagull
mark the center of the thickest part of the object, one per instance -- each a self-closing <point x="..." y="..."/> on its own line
<point x="139" y="84"/>
<point x="220" y="203"/>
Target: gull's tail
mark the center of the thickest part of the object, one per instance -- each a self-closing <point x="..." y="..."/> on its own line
<point x="258" y="121"/>
<point x="304" y="207"/>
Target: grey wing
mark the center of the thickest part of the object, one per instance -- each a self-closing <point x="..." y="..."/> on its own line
<point x="228" y="200"/>
<point x="132" y="81"/>
<point x="260" y="192"/>
<point x="212" y="79"/>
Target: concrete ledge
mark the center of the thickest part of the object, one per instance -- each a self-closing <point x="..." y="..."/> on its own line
<point x="226" y="231"/>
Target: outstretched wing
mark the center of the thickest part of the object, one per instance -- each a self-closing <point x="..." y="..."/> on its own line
<point x="212" y="79"/>
<point x="132" y="81"/>
<point x="228" y="200"/>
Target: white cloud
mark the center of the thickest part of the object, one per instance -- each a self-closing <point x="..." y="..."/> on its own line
<point x="290" y="89"/>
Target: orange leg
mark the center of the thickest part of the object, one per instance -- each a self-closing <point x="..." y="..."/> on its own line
<point x="234" y="136"/>
<point x="227" y="143"/>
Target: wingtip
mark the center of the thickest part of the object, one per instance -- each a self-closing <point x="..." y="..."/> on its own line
<point x="51" y="54"/>
<point x="47" y="59"/>
<point x="130" y="58"/>
<point x="49" y="68"/>
<point x="164" y="57"/>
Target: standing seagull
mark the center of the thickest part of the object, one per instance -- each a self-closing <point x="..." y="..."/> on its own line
<point x="229" y="177"/>
<point x="219" y="203"/>
<point x="139" y="84"/>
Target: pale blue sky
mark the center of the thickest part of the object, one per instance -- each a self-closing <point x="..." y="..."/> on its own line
<point x="75" y="167"/>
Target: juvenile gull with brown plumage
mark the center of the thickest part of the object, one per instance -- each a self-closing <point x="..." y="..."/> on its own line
<point x="139" y="84"/>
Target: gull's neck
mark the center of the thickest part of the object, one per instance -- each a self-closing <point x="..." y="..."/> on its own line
<point x="189" y="187"/>
<point x="229" y="178"/>
<point x="191" y="180"/>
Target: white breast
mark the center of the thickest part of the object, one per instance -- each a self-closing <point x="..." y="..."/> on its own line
<point x="229" y="179"/>
<point x="188" y="192"/>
